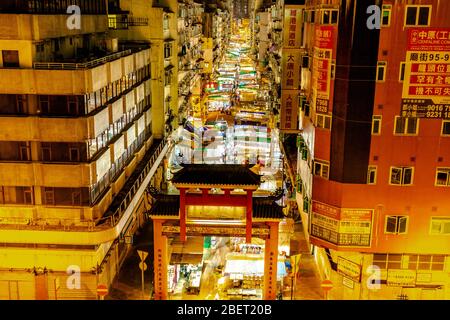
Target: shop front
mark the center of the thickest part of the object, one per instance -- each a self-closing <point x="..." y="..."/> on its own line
<point x="243" y="275"/>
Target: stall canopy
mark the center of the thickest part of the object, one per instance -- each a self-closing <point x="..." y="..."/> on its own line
<point x="190" y="252"/>
<point x="251" y="266"/>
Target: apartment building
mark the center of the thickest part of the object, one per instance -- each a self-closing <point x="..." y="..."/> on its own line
<point x="190" y="56"/>
<point x="79" y="142"/>
<point x="373" y="156"/>
<point x="154" y="23"/>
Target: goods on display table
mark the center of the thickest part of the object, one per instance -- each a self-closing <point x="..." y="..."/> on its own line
<point x="193" y="285"/>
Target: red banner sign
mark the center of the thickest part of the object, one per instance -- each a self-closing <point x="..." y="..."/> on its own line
<point x="427" y="39"/>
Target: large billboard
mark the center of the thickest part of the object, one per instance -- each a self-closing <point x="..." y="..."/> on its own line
<point x="426" y="85"/>
<point x="342" y="227"/>
<point x="324" y="41"/>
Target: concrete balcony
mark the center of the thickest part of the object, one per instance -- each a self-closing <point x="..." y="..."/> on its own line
<point x="39" y="27"/>
<point x="44" y="129"/>
<point x="46" y="174"/>
<point x="72" y="76"/>
<point x="65" y="175"/>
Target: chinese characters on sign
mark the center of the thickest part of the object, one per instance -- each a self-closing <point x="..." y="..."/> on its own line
<point x="425" y="39"/>
<point x="426" y="87"/>
<point x="349" y="268"/>
<point x="291" y="69"/>
<point x="289" y="110"/>
<point x="401" y="278"/>
<point x="321" y="72"/>
<point x="292" y="24"/>
<point x="343" y="227"/>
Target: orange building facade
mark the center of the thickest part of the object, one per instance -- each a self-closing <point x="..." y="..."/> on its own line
<point x="374" y="152"/>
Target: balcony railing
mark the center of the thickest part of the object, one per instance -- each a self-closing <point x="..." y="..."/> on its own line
<point x="116" y="169"/>
<point x="80" y="66"/>
<point x="113" y="218"/>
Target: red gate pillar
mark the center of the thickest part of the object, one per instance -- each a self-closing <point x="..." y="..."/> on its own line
<point x="41" y="286"/>
<point x="182" y="214"/>
<point x="271" y="262"/>
<point x="248" y="225"/>
<point x="160" y="261"/>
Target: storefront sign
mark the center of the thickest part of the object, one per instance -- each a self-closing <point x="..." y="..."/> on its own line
<point x="291" y="69"/>
<point x="429" y="39"/>
<point x="325" y="209"/>
<point x="424" y="277"/>
<point x="349" y="269"/>
<point x="292" y="27"/>
<point x="195" y="230"/>
<point x="401" y="278"/>
<point x="289" y="110"/>
<point x="426" y="85"/>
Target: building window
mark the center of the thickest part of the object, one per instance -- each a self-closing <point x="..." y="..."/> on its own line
<point x="426" y="262"/>
<point x="167" y="50"/>
<point x="312" y="16"/>
<point x="49" y="196"/>
<point x="321" y="169"/>
<point x="380" y="260"/>
<point x="381" y="71"/>
<point x="44" y="104"/>
<point x="417" y="15"/>
<point x="376" y="124"/>
<point x="443" y="177"/>
<point x="446" y="127"/>
<point x="16" y="195"/>
<point x="329" y="16"/>
<point x="396" y="225"/>
<point x="10" y="58"/>
<point x="409" y="261"/>
<point x="406" y="126"/>
<point x="372" y="175"/>
<point x="166" y="22"/>
<point x="386" y="15"/>
<point x="440" y="225"/>
<point x="24" y="151"/>
<point x="323" y="121"/>
<point x="401" y="176"/>
<point x="305" y="61"/>
<point x="402" y="71"/>
<point x="333" y="70"/>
